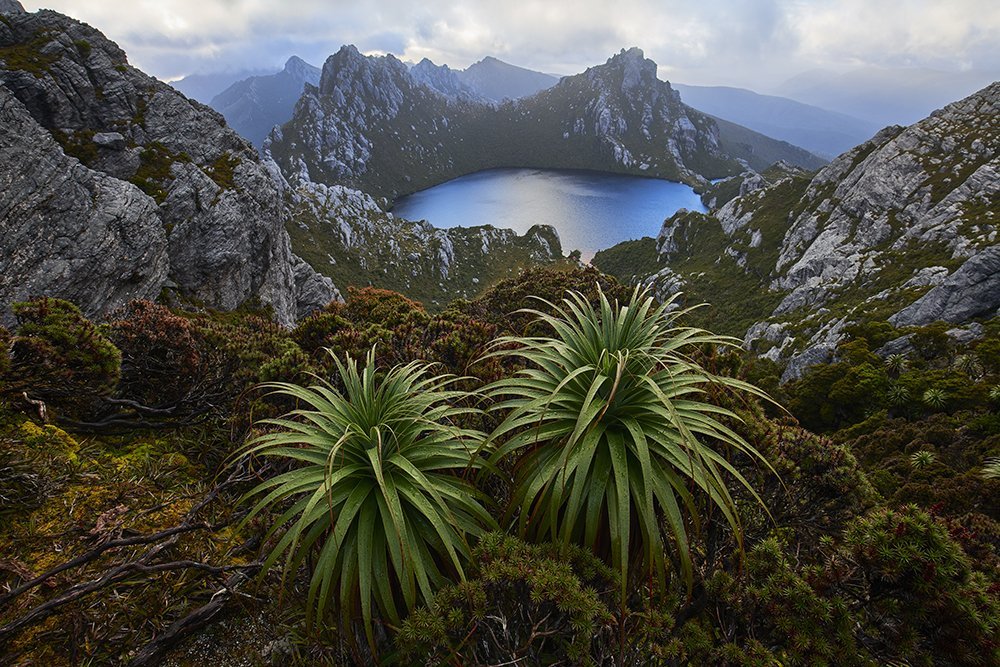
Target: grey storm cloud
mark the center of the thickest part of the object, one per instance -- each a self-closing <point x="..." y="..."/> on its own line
<point x="746" y="42"/>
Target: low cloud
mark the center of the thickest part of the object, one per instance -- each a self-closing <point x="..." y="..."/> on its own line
<point x="754" y="43"/>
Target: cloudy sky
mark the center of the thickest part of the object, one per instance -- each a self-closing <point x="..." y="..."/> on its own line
<point x="752" y="43"/>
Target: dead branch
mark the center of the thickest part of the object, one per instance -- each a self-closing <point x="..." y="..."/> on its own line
<point x="196" y="620"/>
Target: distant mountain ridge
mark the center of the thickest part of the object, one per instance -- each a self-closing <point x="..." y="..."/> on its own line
<point x="255" y="105"/>
<point x="203" y="87"/>
<point x="884" y="96"/>
<point x="825" y="133"/>
<point x="372" y="125"/>
<point x="498" y="81"/>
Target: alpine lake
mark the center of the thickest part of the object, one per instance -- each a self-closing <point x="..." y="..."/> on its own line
<point x="590" y="210"/>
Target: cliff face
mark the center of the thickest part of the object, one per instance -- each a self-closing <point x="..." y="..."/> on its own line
<point x="127" y="186"/>
<point x="70" y="231"/>
<point x="901" y="229"/>
<point x="376" y="126"/>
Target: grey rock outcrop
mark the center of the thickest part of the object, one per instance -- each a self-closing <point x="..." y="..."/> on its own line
<point x="68" y="231"/>
<point x="11" y="7"/>
<point x="903" y="228"/>
<point x="217" y="209"/>
<point x="971" y="291"/>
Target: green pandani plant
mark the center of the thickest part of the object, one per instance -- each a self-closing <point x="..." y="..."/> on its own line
<point x="610" y="435"/>
<point x="379" y="494"/>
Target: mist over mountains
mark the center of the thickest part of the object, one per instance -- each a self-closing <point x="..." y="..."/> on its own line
<point x="884" y="96"/>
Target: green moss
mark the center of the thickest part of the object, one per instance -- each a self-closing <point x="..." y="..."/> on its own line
<point x="154" y="170"/>
<point x="141" y="106"/>
<point x="223" y="171"/>
<point x="83" y="46"/>
<point x="28" y="56"/>
<point x="80" y="144"/>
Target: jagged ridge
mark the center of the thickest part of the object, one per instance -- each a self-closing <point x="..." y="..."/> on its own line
<point x="371" y="125"/>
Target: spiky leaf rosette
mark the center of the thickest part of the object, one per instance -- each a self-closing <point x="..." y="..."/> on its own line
<point x="611" y="437"/>
<point x="379" y="495"/>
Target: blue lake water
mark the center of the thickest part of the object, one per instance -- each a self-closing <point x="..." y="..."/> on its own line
<point x="591" y="210"/>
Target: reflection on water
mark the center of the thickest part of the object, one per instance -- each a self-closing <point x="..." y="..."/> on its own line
<point x="591" y="210"/>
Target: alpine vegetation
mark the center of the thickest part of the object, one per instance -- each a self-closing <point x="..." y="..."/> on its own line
<point x="380" y="488"/>
<point x="609" y="433"/>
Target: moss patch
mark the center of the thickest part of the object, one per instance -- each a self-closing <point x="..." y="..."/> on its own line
<point x="28" y="56"/>
<point x="223" y="171"/>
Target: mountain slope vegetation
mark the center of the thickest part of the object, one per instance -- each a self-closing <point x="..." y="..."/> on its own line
<point x="902" y="230"/>
<point x="372" y="126"/>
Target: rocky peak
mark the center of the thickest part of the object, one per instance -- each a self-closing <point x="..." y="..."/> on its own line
<point x="636" y="71"/>
<point x="298" y="68"/>
<point x="11" y="7"/>
<point x="443" y="80"/>
<point x="120" y="131"/>
<point x="348" y="72"/>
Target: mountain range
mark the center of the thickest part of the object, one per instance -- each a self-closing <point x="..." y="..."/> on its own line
<point x="372" y="125"/>
<point x="256" y="104"/>
<point x="825" y="133"/>
<point x="884" y="96"/>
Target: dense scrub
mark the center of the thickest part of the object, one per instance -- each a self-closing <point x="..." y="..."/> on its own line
<point x="123" y="540"/>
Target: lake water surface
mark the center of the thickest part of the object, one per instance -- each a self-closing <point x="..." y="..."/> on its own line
<point x="591" y="210"/>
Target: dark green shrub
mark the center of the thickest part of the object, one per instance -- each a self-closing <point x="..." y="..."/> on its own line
<point x="316" y="331"/>
<point x="923" y="603"/>
<point x="522" y="604"/>
<point x="932" y="341"/>
<point x="60" y="357"/>
<point x="988" y="352"/>
<point x="774" y="605"/>
<point x="875" y="333"/>
<point x="819" y="485"/>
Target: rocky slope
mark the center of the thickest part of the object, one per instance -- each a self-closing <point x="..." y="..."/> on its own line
<point x="255" y="105"/>
<point x="116" y="186"/>
<point x="372" y="125"/>
<point x="902" y="229"/>
<point x="345" y="235"/>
